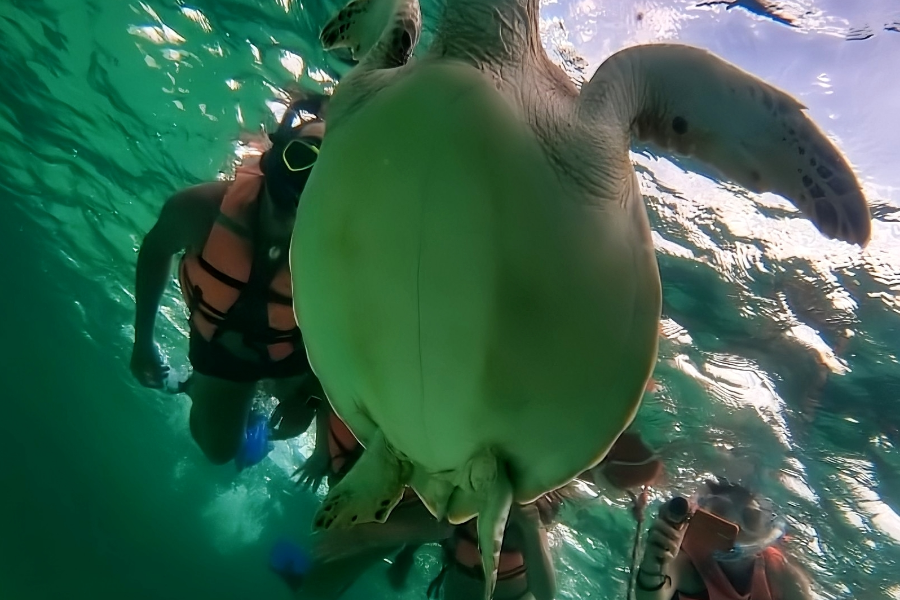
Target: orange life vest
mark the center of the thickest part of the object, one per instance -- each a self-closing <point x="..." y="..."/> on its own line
<point x="342" y="444"/>
<point x="719" y="587"/>
<point x="213" y="280"/>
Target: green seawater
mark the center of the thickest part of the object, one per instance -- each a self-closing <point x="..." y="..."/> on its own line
<point x="779" y="363"/>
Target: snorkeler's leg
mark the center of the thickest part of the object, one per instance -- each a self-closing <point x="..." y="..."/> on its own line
<point x="342" y="555"/>
<point x="298" y="399"/>
<point x="409" y="523"/>
<point x="330" y="580"/>
<point x="219" y="410"/>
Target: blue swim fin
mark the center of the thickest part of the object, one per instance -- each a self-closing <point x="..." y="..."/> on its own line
<point x="290" y="562"/>
<point x="256" y="444"/>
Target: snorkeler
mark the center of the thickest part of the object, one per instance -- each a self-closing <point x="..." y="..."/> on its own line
<point x="726" y="549"/>
<point x="338" y="557"/>
<point x="236" y="282"/>
<point x="525" y="569"/>
<point x="630" y="464"/>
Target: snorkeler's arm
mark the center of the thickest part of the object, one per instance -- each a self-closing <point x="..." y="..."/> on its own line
<point x="535" y="551"/>
<point x="185" y="221"/>
<point x="675" y="572"/>
<point x="663" y="565"/>
<point x="407" y="525"/>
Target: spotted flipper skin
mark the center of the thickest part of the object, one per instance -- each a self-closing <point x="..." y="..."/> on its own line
<point x="689" y="102"/>
<point x="369" y="491"/>
<point x="343" y="30"/>
<point x="385" y="31"/>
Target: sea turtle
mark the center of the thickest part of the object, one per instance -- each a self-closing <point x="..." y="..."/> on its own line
<point x="474" y="272"/>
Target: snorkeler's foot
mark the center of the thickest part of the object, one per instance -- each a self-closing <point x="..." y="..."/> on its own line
<point x="256" y="445"/>
<point x="290" y="562"/>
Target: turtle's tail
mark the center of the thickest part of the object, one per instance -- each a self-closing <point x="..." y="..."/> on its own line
<point x="497" y="499"/>
<point x="483" y="489"/>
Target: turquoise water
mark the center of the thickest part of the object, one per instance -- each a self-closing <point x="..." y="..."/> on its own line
<point x="779" y="362"/>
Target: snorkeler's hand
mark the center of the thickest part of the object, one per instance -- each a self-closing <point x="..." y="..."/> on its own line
<point x="311" y="473"/>
<point x="309" y="101"/>
<point x="148" y="366"/>
<point x="663" y="542"/>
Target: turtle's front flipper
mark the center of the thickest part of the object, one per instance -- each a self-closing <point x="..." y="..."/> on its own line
<point x="382" y="33"/>
<point x="687" y="101"/>
<point x="369" y="491"/>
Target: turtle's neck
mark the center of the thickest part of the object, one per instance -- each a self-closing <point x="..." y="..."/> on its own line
<point x="487" y="31"/>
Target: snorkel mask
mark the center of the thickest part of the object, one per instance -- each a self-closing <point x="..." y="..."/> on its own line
<point x="760" y="521"/>
<point x="289" y="162"/>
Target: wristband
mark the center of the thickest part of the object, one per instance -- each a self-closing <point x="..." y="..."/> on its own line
<point x="665" y="580"/>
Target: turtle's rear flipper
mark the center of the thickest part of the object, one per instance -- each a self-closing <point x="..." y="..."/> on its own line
<point x="369" y="491"/>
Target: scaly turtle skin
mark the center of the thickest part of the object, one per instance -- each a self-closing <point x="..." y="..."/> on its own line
<point x="473" y="268"/>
